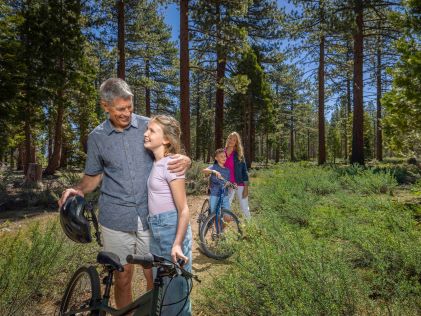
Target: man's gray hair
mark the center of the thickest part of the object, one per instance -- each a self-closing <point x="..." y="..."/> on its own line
<point x="114" y="88"/>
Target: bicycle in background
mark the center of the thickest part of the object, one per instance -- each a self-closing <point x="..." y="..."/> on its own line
<point x="219" y="231"/>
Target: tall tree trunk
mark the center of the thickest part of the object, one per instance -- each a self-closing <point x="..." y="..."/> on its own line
<point x="12" y="159"/>
<point x="358" y="118"/>
<point x="347" y="113"/>
<point x="54" y="162"/>
<point x="348" y="108"/>
<point x="63" y="158"/>
<point x="267" y="147"/>
<point x="147" y="91"/>
<point x="220" y="75"/>
<point x="379" y="136"/>
<point x="121" y="69"/>
<point x="198" y="119"/>
<point x="21" y="156"/>
<point x="219" y="107"/>
<point x="321" y="79"/>
<point x="184" y="75"/>
<point x="28" y="143"/>
<point x="252" y="136"/>
<point x="291" y="135"/>
<point x="308" y="142"/>
<point x="50" y="138"/>
<point x="277" y="152"/>
<point x="248" y="140"/>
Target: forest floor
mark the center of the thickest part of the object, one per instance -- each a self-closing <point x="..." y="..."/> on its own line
<point x="205" y="268"/>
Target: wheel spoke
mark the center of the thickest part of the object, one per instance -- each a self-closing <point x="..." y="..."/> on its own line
<point x="220" y="242"/>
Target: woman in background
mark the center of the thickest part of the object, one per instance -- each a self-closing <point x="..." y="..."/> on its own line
<point x="236" y="164"/>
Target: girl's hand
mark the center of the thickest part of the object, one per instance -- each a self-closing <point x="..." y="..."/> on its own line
<point x="177" y="253"/>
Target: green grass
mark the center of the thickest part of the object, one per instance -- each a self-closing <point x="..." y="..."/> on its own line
<point x="323" y="241"/>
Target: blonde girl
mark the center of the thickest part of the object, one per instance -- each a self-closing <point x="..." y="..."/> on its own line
<point x="236" y="164"/>
<point x="168" y="211"/>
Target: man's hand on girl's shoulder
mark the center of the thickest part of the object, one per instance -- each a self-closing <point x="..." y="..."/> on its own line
<point x="179" y="164"/>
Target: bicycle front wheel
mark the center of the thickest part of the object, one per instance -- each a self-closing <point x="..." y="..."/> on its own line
<point x="204" y="213"/>
<point x="82" y="291"/>
<point x="219" y="235"/>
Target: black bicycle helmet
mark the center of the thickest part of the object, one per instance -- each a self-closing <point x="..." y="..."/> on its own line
<point x="74" y="221"/>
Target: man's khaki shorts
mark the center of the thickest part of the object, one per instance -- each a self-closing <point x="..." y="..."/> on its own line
<point x="126" y="243"/>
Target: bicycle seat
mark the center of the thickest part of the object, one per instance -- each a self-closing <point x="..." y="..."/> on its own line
<point x="110" y="259"/>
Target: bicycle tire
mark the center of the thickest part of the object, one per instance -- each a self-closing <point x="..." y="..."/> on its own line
<point x="203" y="214"/>
<point x="220" y="246"/>
<point x="79" y="295"/>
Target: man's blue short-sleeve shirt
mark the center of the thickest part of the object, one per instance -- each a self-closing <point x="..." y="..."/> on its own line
<point x="125" y="165"/>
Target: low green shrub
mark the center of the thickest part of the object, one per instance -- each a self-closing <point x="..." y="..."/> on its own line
<point x="197" y="182"/>
<point x="36" y="264"/>
<point x="285" y="272"/>
<point x="325" y="241"/>
<point x="367" y="182"/>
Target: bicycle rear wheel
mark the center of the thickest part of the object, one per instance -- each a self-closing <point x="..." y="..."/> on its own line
<point x="220" y="243"/>
<point x="82" y="291"/>
<point x="204" y="213"/>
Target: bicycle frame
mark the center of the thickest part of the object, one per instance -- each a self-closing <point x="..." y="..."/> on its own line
<point x="218" y="209"/>
<point x="146" y="305"/>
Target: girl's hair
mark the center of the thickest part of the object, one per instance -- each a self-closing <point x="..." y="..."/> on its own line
<point x="172" y="132"/>
<point x="238" y="145"/>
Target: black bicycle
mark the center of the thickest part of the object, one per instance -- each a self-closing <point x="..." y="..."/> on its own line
<point x="219" y="231"/>
<point x="83" y="292"/>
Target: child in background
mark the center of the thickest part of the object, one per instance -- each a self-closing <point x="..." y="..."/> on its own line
<point x="168" y="211"/>
<point x="218" y="171"/>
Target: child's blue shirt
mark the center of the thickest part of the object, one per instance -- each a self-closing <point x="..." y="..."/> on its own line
<point x="215" y="183"/>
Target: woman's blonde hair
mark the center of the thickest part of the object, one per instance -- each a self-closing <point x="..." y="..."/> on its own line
<point x="172" y="132"/>
<point x="238" y="145"/>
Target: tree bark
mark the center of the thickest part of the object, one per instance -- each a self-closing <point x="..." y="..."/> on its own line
<point x="64" y="149"/>
<point x="379" y="136"/>
<point x="34" y="174"/>
<point x="321" y="79"/>
<point x="147" y="91"/>
<point x="219" y="107"/>
<point x="184" y="76"/>
<point x="12" y="160"/>
<point x="277" y="153"/>
<point x="198" y="119"/>
<point x="248" y="139"/>
<point x="54" y="162"/>
<point x="291" y="135"/>
<point x="358" y="118"/>
<point x="50" y="138"/>
<point x="220" y="75"/>
<point x="121" y="69"/>
<point x="28" y="143"/>
<point x="252" y="136"/>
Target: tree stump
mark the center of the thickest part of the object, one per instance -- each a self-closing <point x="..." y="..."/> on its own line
<point x="34" y="174"/>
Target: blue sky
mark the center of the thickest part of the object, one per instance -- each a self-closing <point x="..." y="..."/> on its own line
<point x="172" y="18"/>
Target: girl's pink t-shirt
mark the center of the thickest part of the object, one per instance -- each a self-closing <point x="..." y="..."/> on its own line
<point x="160" y="199"/>
<point x="229" y="163"/>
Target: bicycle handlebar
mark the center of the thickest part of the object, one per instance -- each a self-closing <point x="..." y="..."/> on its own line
<point x="146" y="261"/>
<point x="226" y="183"/>
<point x="150" y="260"/>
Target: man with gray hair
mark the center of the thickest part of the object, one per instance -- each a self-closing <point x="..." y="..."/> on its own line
<point x="116" y="156"/>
